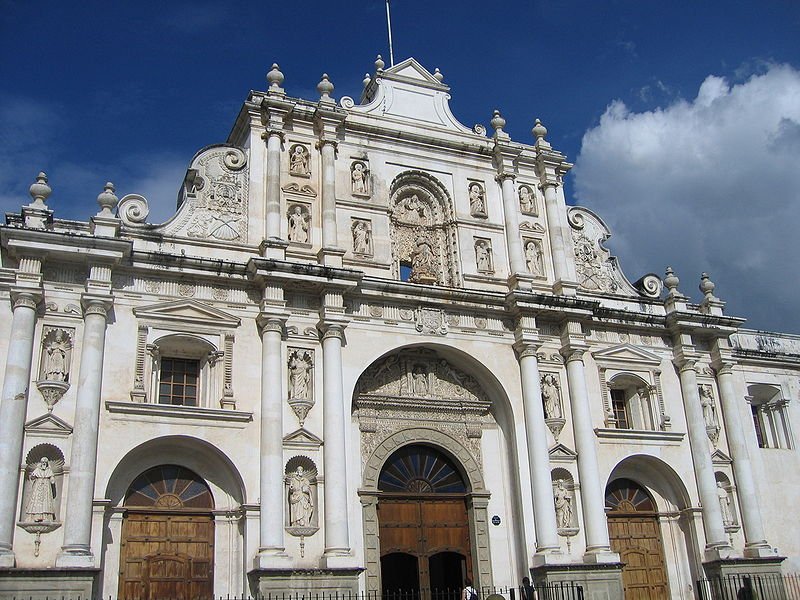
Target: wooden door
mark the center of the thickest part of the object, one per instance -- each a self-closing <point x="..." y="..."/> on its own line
<point x="166" y="556"/>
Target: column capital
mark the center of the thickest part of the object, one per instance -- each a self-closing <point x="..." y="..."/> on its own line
<point x="723" y="367"/>
<point x="332" y="329"/>
<point x="96" y="305"/>
<point x="573" y="354"/>
<point x="325" y="141"/>
<point x="270" y="322"/>
<point x="274" y="132"/>
<point x="26" y="298"/>
<point x="685" y="364"/>
<point x="549" y="183"/>
<point x="527" y="348"/>
<point x="501" y="177"/>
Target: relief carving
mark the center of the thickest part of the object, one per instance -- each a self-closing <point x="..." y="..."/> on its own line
<point x="299" y="161"/>
<point x="706" y="393"/>
<point x="299" y="220"/>
<point x="54" y="372"/>
<point x="483" y="255"/>
<point x="431" y="320"/>
<point x="477" y="200"/>
<point x="301" y="382"/>
<point x="45" y="467"/>
<point x="359" y="178"/>
<point x="527" y="201"/>
<point x="362" y="237"/>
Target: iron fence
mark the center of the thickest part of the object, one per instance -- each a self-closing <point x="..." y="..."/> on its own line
<point x="750" y="587"/>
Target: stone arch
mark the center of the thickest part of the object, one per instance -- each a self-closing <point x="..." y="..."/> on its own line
<point x="423" y="232"/>
<point x="660" y="479"/>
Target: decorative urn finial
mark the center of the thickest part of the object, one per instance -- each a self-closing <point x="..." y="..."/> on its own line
<point x="497" y="122"/>
<point x="379" y="64"/>
<point x="367" y="79"/>
<point x="671" y="281"/>
<point x="438" y="75"/>
<point x="275" y="78"/>
<point x="707" y="286"/>
<point x="325" y="87"/>
<point x="107" y="200"/>
<point x="539" y="130"/>
<point x="39" y="190"/>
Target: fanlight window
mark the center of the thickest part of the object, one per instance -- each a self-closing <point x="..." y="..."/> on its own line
<point x="169" y="487"/>
<point x="420" y="470"/>
<point x="626" y="496"/>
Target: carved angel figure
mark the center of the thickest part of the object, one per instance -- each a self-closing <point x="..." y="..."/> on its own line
<point x="533" y="258"/>
<point x="298" y="225"/>
<point x="298" y="161"/>
<point x="301" y="500"/>
<point x="551" y="396"/>
<point x="56" y="361"/>
<point x="563" y="505"/>
<point x="358" y="178"/>
<point x="41" y="498"/>
<point x="299" y="377"/>
<point x="477" y="205"/>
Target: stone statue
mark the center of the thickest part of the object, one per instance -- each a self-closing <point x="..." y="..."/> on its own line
<point x="298" y="161"/>
<point x="298" y="225"/>
<point x="358" y="177"/>
<point x="551" y="396"/>
<point x="724" y="504"/>
<point x="563" y="505"/>
<point x="533" y="258"/>
<point x="423" y="263"/>
<point x="477" y="204"/>
<point x="420" y="378"/>
<point x="299" y="376"/>
<point x="707" y="402"/>
<point x="526" y="201"/>
<point x="483" y="255"/>
<point x="362" y="240"/>
<point x="41" y="498"/>
<point x="301" y="500"/>
<point x="56" y="358"/>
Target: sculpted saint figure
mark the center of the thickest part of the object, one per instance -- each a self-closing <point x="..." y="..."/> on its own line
<point x="299" y="377"/>
<point x="707" y="402"/>
<point x="298" y="226"/>
<point x="477" y="206"/>
<point x="551" y="397"/>
<point x="298" y="162"/>
<point x="420" y="381"/>
<point x="301" y="502"/>
<point x="563" y="505"/>
<point x="358" y="177"/>
<point x="361" y="238"/>
<point x="526" y="201"/>
<point x="422" y="263"/>
<point x="724" y="504"/>
<point x="56" y="362"/>
<point x="483" y="256"/>
<point x="533" y="258"/>
<point x="41" y="500"/>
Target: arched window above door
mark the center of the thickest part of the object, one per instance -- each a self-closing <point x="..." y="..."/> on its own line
<point x="169" y="487"/>
<point x="627" y="496"/>
<point x="418" y="469"/>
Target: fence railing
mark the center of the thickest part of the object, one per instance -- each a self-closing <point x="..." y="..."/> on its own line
<point x="750" y="587"/>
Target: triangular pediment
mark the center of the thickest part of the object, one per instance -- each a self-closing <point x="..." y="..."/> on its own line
<point x="626" y="353"/>
<point x="411" y="70"/>
<point x="302" y="438"/>
<point x="720" y="458"/>
<point x="48" y="425"/>
<point x="187" y="311"/>
<point x="560" y="453"/>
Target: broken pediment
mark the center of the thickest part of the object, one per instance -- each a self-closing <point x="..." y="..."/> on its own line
<point x="48" y="425"/>
<point x="627" y="354"/>
<point x="302" y="438"/>
<point x="187" y="311"/>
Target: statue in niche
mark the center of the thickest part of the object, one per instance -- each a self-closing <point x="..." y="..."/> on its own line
<point x="298" y="161"/>
<point x="563" y="505"/>
<point x="56" y="368"/>
<point x="707" y="402"/>
<point x="301" y="500"/>
<point x="483" y="255"/>
<point x="362" y="238"/>
<point x="298" y="225"/>
<point x="358" y="177"/>
<point x="413" y="210"/>
<point x="527" y="203"/>
<point x="477" y="202"/>
<point x="423" y="263"/>
<point x="41" y="505"/>
<point x="533" y="257"/>
<point x="724" y="504"/>
<point x="551" y="396"/>
<point x="299" y="376"/>
<point x="420" y="377"/>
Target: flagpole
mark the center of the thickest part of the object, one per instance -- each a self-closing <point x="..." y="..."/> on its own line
<point x="389" y="25"/>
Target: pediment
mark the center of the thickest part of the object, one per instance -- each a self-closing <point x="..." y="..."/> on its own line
<point x="187" y="311"/>
<point x="528" y="226"/>
<point x="48" y="425"/>
<point x="302" y="438"/>
<point x="560" y="453"/>
<point x="410" y="69"/>
<point x="626" y="353"/>
<point x="720" y="458"/>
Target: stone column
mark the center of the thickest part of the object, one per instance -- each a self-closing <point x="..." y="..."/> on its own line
<point x="755" y="541"/>
<point x="516" y="258"/>
<point x="271" y="551"/>
<point x="77" y="550"/>
<point x="592" y="492"/>
<point x="538" y="456"/>
<point x="329" y="234"/>
<point x="274" y="140"/>
<point x="716" y="538"/>
<point x="555" y="232"/>
<point x="337" y="536"/>
<point x="13" y="406"/>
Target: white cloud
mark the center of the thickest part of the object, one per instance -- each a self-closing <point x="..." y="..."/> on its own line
<point x="710" y="184"/>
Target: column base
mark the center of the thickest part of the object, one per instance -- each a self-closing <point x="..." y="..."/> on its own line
<point x="337" y="559"/>
<point x="75" y="557"/>
<point x="762" y="550"/>
<point x="597" y="580"/>
<point x="744" y="566"/>
<point x="272" y="559"/>
<point x="549" y="558"/>
<point x="601" y="557"/>
<point x="7" y="559"/>
<point x="718" y="553"/>
<point x="304" y="581"/>
<point x="39" y="584"/>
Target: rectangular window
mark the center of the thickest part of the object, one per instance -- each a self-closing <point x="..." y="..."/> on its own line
<point x="758" y="424"/>
<point x="620" y="407"/>
<point x="178" y="382"/>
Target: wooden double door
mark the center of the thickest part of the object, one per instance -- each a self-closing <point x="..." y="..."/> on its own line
<point x="425" y="545"/>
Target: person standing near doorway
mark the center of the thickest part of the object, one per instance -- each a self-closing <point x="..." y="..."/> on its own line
<point x="469" y="591"/>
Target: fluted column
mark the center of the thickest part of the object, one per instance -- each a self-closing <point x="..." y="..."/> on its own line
<point x="13" y="406"/>
<point x="337" y="536"/>
<point x="592" y="491"/>
<point x="701" y="458"/>
<point x="329" y="234"/>
<point x="510" y="210"/>
<point x="77" y="551"/>
<point x="538" y="457"/>
<point x="272" y="498"/>
<point x="755" y="540"/>
<point x="274" y="139"/>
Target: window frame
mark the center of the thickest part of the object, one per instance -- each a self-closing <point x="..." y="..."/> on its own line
<point x="187" y="348"/>
<point x="768" y="407"/>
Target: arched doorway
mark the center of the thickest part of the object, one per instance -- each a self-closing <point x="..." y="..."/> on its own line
<point x="167" y="536"/>
<point x="424" y="525"/>
<point x="636" y="535"/>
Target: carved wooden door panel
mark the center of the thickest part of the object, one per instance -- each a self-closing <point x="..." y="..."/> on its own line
<point x="638" y="541"/>
<point x="166" y="556"/>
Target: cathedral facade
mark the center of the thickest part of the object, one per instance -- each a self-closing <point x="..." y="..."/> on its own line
<point x="375" y="349"/>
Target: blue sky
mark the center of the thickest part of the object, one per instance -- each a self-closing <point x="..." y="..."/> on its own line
<point x="681" y="117"/>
